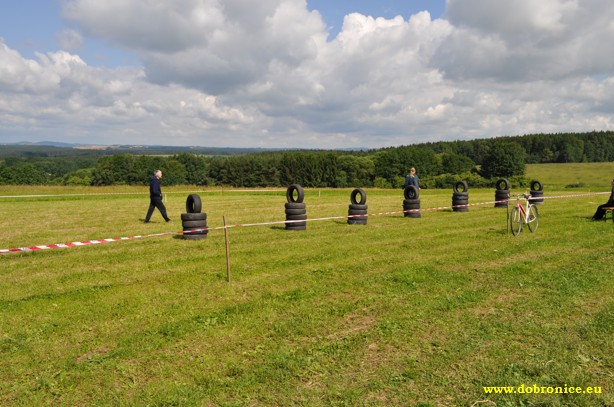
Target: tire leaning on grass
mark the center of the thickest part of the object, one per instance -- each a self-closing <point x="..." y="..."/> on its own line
<point x="461" y="184"/>
<point x="502" y="185"/>
<point x="363" y="197"/>
<point x="193" y="204"/>
<point x="411" y="192"/>
<point x="299" y="191"/>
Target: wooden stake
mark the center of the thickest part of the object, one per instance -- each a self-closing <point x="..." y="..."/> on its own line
<point x="227" y="251"/>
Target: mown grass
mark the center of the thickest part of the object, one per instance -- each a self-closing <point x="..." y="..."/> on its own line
<point x="595" y="176"/>
<point x="398" y="312"/>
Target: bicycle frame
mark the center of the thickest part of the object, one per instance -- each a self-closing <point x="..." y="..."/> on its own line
<point x="524" y="215"/>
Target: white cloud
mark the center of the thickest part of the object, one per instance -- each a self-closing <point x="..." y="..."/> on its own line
<point x="244" y="73"/>
<point x="70" y="40"/>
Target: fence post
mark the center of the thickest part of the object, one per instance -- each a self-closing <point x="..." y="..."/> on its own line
<point x="227" y="251"/>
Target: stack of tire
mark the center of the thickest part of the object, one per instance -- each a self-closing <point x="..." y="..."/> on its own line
<point x="411" y="203"/>
<point x="357" y="211"/>
<point x="537" y="193"/>
<point x="296" y="211"/>
<point x="460" y="197"/>
<point x="502" y="193"/>
<point x="194" y="222"/>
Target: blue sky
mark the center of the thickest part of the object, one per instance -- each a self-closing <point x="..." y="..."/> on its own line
<point x="334" y="11"/>
<point x="276" y="73"/>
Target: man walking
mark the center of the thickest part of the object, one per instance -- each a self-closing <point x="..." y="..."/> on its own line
<point x="155" y="197"/>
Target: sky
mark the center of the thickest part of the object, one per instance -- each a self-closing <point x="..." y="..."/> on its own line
<point x="302" y="74"/>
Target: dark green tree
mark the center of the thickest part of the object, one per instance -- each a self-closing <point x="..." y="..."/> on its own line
<point x="504" y="160"/>
<point x="195" y="167"/>
<point x="455" y="163"/>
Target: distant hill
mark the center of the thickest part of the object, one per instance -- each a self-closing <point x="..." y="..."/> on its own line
<point x="41" y="143"/>
<point x="59" y="149"/>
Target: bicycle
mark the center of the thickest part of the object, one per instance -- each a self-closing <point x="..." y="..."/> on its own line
<point x="524" y="215"/>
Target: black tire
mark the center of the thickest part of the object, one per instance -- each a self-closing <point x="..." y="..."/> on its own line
<point x="295" y="224"/>
<point x="536" y="186"/>
<point x="460" y="184"/>
<point x="412" y="215"/>
<point x="296" y="227"/>
<point x="363" y="197"/>
<point x="357" y="212"/>
<point x="502" y="198"/>
<point x="461" y="209"/>
<point x="411" y="192"/>
<point x="193" y="216"/>
<point x="194" y="224"/>
<point x="193" y="204"/>
<point x="410" y="201"/>
<point x="290" y="193"/>
<point x="502" y="185"/>
<point x="460" y="195"/>
<point x="296" y="217"/>
<point x="199" y="233"/>
<point x="296" y="211"/>
<point x="196" y="229"/>
<point x="411" y="206"/>
<point x="459" y="203"/>
<point x="537" y="197"/>
<point x="295" y="205"/>
<point x="358" y="207"/>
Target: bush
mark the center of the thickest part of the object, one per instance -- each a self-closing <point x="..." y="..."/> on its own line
<point x="380" y="182"/>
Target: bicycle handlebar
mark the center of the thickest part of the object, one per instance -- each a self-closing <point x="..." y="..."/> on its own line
<point x="525" y="196"/>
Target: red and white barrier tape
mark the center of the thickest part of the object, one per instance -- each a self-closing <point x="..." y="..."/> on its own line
<point x="117" y="239"/>
<point x="75" y="244"/>
<point x="145" y="192"/>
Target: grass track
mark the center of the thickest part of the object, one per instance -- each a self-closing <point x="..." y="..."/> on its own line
<point x="398" y="312"/>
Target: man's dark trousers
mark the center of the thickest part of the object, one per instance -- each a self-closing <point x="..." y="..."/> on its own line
<point x="156" y="202"/>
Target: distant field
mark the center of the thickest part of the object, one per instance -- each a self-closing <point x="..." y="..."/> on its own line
<point x="585" y="175"/>
<point x="401" y="311"/>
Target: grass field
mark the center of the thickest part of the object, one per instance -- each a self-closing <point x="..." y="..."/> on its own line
<point x="401" y="311"/>
<point x="595" y="176"/>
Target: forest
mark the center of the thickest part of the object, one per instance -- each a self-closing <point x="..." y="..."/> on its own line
<point x="438" y="164"/>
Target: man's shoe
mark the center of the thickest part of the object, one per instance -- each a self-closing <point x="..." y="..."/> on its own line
<point x="169" y="220"/>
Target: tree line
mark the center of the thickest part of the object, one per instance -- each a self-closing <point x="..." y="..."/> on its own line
<point x="439" y="164"/>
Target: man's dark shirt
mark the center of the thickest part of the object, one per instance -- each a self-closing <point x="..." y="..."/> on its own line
<point x="154" y="188"/>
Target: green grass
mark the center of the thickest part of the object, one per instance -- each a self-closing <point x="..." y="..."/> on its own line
<point x="595" y="176"/>
<point x="398" y="312"/>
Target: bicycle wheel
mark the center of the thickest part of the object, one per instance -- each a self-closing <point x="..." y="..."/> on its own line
<point x="533" y="218"/>
<point x="516" y="221"/>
